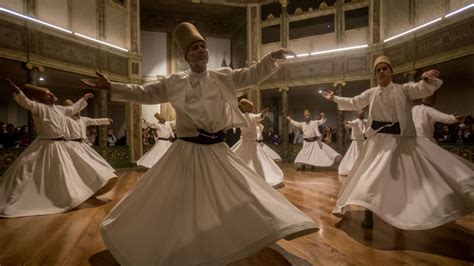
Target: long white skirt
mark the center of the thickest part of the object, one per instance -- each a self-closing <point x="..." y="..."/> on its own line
<point x="317" y="153"/>
<point x="254" y="157"/>
<point x="350" y="157"/>
<point x="200" y="204"/>
<point x="49" y="177"/>
<point x="89" y="153"/>
<point x="154" y="154"/>
<point x="409" y="182"/>
<point x="270" y="152"/>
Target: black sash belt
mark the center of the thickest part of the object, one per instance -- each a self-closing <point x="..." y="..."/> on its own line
<point x="313" y="139"/>
<point x="206" y="138"/>
<point x="76" y="140"/>
<point x="60" y="139"/>
<point x="259" y="140"/>
<point x="386" y="127"/>
<point x="164" y="139"/>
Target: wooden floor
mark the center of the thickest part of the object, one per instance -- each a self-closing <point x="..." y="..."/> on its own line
<point x="73" y="238"/>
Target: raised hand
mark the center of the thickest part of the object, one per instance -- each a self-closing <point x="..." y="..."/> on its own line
<point x="459" y="117"/>
<point x="101" y="83"/>
<point x="88" y="96"/>
<point x="322" y="114"/>
<point x="329" y="95"/>
<point x="13" y="86"/>
<point x="282" y="53"/>
<point x="430" y="75"/>
<point x="288" y="117"/>
<point x="111" y="121"/>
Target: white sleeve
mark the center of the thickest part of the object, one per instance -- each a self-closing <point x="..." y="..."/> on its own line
<point x="438" y="116"/>
<point x="295" y="124"/>
<point x="255" y="74"/>
<point x="421" y="89"/>
<point x="95" y="121"/>
<point x="154" y="93"/>
<point x="25" y="102"/>
<point x="354" y="103"/>
<point x="76" y="108"/>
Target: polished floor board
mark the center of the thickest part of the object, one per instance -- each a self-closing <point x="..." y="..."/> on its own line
<point x="73" y="238"/>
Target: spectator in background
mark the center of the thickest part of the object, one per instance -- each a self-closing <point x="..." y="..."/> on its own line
<point x="92" y="135"/>
<point x="24" y="136"/>
<point x="299" y="137"/>
<point x="111" y="138"/>
<point x="10" y="137"/>
<point x="446" y="136"/>
<point x="3" y="128"/>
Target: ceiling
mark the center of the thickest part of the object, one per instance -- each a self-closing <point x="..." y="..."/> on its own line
<point x="212" y="17"/>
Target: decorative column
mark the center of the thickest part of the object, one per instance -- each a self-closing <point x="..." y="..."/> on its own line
<point x="338" y="85"/>
<point x="134" y="111"/>
<point x="103" y="147"/>
<point x="284" y="103"/>
<point x="253" y="34"/>
<point x="102" y="95"/>
<point x="284" y="37"/>
<point x="32" y="76"/>
<point x="374" y="21"/>
<point x="339" y="23"/>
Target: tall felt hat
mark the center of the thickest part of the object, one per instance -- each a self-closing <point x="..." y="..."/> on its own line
<point x="383" y="59"/>
<point x="159" y="116"/>
<point x="185" y="34"/>
<point x="246" y="104"/>
<point x="67" y="102"/>
<point x="35" y="91"/>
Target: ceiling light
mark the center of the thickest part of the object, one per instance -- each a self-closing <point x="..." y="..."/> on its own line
<point x="412" y="30"/>
<point x="34" y="20"/>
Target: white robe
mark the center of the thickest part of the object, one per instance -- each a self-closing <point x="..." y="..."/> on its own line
<point x="425" y="118"/>
<point x="314" y="153"/>
<point x="76" y="129"/>
<point x="49" y="176"/>
<point x="357" y="136"/>
<point x="164" y="132"/>
<point x="249" y="150"/>
<point x="199" y="204"/>
<point x="409" y="182"/>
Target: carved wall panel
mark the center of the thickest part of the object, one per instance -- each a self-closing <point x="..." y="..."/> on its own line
<point x="357" y="64"/>
<point x="441" y="41"/>
<point x="61" y="49"/>
<point x="13" y="37"/>
<point x="398" y="54"/>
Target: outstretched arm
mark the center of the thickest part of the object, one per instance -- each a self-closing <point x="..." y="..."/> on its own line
<point x="294" y="123"/>
<point x="21" y="98"/>
<point x="261" y="71"/>
<point x="77" y="106"/>
<point x="96" y="121"/>
<point x="349" y="103"/>
<point x="150" y="94"/>
<point x="424" y="88"/>
<point x="438" y="116"/>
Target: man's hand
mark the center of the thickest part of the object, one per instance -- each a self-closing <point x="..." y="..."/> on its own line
<point x="322" y="114"/>
<point x="111" y="121"/>
<point x="459" y="117"/>
<point x="329" y="95"/>
<point x="430" y="75"/>
<point x="14" y="88"/>
<point x="265" y="111"/>
<point x="282" y="53"/>
<point x="288" y="117"/>
<point x="88" y="96"/>
<point x="101" y="83"/>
